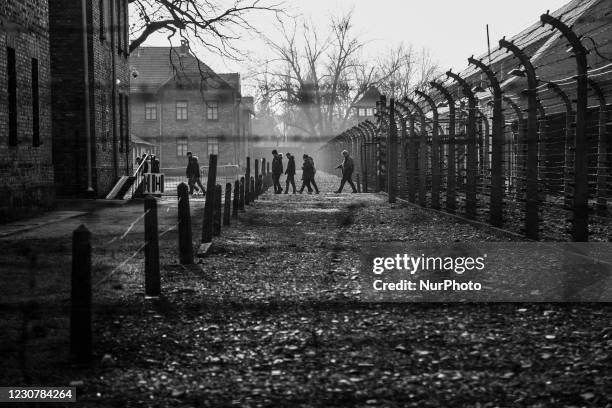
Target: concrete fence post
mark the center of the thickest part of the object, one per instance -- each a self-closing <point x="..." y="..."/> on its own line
<point x="217" y="211"/>
<point x="228" y="203"/>
<point x="242" y="193"/>
<point x="184" y="225"/>
<point x="80" y="308"/>
<point x="207" y="226"/>
<point x="247" y="182"/>
<point x="236" y="202"/>
<point x="152" y="278"/>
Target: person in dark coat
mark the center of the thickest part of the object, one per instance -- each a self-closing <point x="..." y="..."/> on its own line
<point x="308" y="173"/>
<point x="193" y="174"/>
<point x="347" y="167"/>
<point x="154" y="164"/>
<point x="277" y="170"/>
<point x="145" y="166"/>
<point x="290" y="172"/>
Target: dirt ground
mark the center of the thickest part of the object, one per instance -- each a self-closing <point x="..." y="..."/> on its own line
<point x="271" y="317"/>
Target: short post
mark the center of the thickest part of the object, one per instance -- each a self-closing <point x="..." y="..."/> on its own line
<point x="217" y="211"/>
<point x="207" y="225"/>
<point x="247" y="185"/>
<point x="241" y="206"/>
<point x="184" y="225"/>
<point x="358" y="183"/>
<point x="228" y="202"/>
<point x="80" y="312"/>
<point x="152" y="284"/>
<point x="256" y="189"/>
<point x="252" y="190"/>
<point x="236" y="203"/>
<point x="260" y="184"/>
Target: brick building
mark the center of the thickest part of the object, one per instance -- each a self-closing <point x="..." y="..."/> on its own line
<point x="180" y="104"/>
<point x="89" y="65"/>
<point x="26" y="169"/>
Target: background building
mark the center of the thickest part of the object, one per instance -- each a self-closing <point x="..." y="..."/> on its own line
<point x="179" y="104"/>
<point x="26" y="168"/>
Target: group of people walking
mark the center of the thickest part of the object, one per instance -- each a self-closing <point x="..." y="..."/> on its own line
<point x="308" y="173"/>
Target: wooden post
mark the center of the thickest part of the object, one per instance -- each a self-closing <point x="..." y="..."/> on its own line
<point x="217" y="211"/>
<point x="80" y="312"/>
<point x="228" y="203"/>
<point x="358" y="183"/>
<point x="260" y="184"/>
<point x="236" y="202"/>
<point x="152" y="283"/>
<point x="241" y="206"/>
<point x="247" y="185"/>
<point x="184" y="225"/>
<point x="207" y="226"/>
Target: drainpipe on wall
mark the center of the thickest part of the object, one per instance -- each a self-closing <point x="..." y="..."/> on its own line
<point x="88" y="142"/>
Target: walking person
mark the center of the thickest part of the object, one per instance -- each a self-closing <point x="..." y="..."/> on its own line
<point x="308" y="173"/>
<point x="277" y="170"/>
<point x="347" y="167"/>
<point x="290" y="172"/>
<point x="193" y="174"/>
<point x="314" y="172"/>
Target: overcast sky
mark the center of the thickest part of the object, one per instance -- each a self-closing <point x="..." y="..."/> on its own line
<point x="451" y="29"/>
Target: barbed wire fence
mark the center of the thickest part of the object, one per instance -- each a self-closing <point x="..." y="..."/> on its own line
<point x="512" y="141"/>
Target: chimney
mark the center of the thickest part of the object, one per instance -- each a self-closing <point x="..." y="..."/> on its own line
<point x="184" y="48"/>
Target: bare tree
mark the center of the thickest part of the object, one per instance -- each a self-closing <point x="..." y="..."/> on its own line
<point x="317" y="76"/>
<point x="213" y="25"/>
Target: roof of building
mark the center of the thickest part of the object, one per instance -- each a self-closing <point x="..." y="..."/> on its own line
<point x="548" y="51"/>
<point x="369" y="98"/>
<point x="136" y="140"/>
<point x="156" y="66"/>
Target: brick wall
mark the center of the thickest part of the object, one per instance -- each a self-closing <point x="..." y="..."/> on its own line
<point x="26" y="171"/>
<point x="108" y="78"/>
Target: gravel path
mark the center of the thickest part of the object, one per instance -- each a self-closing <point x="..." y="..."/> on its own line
<point x="271" y="318"/>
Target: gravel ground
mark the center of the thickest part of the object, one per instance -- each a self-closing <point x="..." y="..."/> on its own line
<point x="271" y="318"/>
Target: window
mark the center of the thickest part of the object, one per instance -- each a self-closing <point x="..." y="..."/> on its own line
<point x="182" y="146"/>
<point x="35" y="105"/>
<point x="122" y="124"/>
<point x="104" y="19"/>
<point x="151" y="111"/>
<point x="11" y="73"/>
<point x="213" y="145"/>
<point x="369" y="112"/>
<point x="126" y="42"/>
<point x="181" y="110"/>
<point x="118" y="24"/>
<point x="126" y="118"/>
<point x="212" y="110"/>
<point x="360" y="112"/>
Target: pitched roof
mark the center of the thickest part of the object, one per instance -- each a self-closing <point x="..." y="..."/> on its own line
<point x="369" y="99"/>
<point x="157" y="66"/>
<point x="547" y="50"/>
